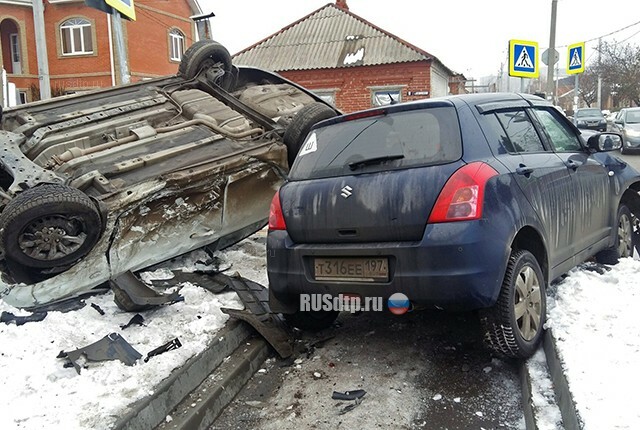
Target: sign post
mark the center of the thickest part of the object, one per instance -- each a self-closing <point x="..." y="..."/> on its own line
<point x="575" y="66"/>
<point x="523" y="60"/>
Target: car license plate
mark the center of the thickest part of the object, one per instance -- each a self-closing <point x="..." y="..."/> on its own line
<point x="351" y="269"/>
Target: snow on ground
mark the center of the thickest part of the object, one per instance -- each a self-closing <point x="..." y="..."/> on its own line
<point x="592" y="317"/>
<point x="594" y="321"/>
<point x="39" y="393"/>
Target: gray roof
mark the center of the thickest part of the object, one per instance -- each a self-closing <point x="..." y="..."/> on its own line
<point x="329" y="38"/>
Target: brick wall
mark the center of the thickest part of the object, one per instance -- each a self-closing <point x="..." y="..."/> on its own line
<point x="147" y="41"/>
<point x="354" y="85"/>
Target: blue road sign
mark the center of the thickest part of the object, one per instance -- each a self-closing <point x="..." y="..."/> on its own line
<point x="575" y="59"/>
<point x="523" y="59"/>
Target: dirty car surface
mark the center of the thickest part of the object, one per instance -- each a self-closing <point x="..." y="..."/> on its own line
<point x="102" y="183"/>
<point x="472" y="202"/>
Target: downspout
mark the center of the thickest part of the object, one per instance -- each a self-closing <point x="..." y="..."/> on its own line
<point x="111" y="62"/>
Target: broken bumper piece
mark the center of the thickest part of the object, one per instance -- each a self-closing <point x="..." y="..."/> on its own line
<point x="111" y="347"/>
<point x="132" y="295"/>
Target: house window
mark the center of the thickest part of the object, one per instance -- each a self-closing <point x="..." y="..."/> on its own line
<point x="76" y="37"/>
<point x="328" y="96"/>
<point x="385" y="96"/>
<point x="176" y="39"/>
<point x="22" y="97"/>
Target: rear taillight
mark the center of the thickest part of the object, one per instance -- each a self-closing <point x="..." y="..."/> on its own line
<point x="462" y="196"/>
<point x="276" y="219"/>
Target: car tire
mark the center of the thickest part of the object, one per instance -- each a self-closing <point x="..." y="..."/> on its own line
<point x="301" y="124"/>
<point x="206" y="53"/>
<point x="515" y="324"/>
<point x="624" y="239"/>
<point x="311" y="320"/>
<point x="48" y="215"/>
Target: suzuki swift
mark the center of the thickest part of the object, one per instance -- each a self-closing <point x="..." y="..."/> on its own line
<point x="472" y="202"/>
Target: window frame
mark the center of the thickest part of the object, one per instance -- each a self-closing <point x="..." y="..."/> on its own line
<point x="545" y="133"/>
<point x="387" y="89"/>
<point x="80" y="25"/>
<point x="176" y="36"/>
<point x="534" y="124"/>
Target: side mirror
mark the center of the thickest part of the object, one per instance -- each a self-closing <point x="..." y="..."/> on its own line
<point x="618" y="121"/>
<point x="602" y="142"/>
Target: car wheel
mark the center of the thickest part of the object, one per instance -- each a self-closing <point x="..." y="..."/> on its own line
<point x="204" y="54"/>
<point x="301" y="124"/>
<point x="49" y="226"/>
<point x="624" y="239"/>
<point x="311" y="320"/>
<point x="514" y="325"/>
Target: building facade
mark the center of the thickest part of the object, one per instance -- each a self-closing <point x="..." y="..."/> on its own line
<point x="351" y="62"/>
<point x="81" y="48"/>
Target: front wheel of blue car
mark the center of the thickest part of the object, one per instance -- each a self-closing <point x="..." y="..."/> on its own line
<point x="514" y="325"/>
<point x="623" y="246"/>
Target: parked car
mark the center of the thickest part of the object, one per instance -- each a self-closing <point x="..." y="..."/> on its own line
<point x="627" y="123"/>
<point x="98" y="184"/>
<point x="472" y="202"/>
<point x="590" y="118"/>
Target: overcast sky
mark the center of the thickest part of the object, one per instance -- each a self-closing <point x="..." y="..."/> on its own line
<point x="468" y="36"/>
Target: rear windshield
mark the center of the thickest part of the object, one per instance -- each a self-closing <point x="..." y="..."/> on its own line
<point x="581" y="113"/>
<point x="393" y="141"/>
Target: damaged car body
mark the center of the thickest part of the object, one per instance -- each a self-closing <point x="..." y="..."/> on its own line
<point x="98" y="184"/>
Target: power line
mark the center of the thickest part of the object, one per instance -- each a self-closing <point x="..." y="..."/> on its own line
<point x="607" y="35"/>
<point x="168" y="27"/>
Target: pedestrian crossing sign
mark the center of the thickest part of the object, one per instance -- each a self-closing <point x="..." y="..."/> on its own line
<point x="575" y="58"/>
<point x="523" y="59"/>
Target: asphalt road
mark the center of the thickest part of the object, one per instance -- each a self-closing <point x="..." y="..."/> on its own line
<point x="633" y="160"/>
<point x="422" y="370"/>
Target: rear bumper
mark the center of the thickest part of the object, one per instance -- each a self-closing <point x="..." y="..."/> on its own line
<point x="456" y="266"/>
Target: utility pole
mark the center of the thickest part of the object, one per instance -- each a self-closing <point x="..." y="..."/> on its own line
<point x="121" y="54"/>
<point x="599" y="73"/>
<point x="41" y="50"/>
<point x="552" y="49"/>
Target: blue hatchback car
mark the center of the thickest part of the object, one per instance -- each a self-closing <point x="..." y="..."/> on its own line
<point x="472" y="202"/>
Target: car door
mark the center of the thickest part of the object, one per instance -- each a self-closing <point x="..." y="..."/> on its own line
<point x="540" y="174"/>
<point x="589" y="193"/>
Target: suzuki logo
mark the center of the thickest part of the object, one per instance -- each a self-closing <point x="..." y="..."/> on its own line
<point x="346" y="191"/>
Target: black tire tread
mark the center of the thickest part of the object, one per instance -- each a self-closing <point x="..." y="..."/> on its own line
<point x="496" y="321"/>
<point x="197" y="53"/>
<point x="610" y="256"/>
<point x="53" y="196"/>
<point x="301" y="124"/>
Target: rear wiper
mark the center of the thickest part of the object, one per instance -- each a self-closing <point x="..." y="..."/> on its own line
<point x="374" y="160"/>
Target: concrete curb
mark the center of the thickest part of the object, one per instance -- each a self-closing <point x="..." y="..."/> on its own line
<point x="564" y="399"/>
<point x="200" y="409"/>
<point x="527" y="401"/>
<point x="151" y="411"/>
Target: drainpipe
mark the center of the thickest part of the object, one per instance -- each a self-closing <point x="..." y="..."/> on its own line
<point x="41" y="50"/>
<point x="111" y="62"/>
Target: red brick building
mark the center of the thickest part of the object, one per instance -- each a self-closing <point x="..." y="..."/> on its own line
<point x="81" y="48"/>
<point x="350" y="61"/>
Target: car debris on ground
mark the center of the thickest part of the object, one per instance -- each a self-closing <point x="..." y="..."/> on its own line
<point x="102" y="183"/>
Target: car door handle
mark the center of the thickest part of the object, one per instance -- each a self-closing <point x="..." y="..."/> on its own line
<point x="571" y="165"/>
<point x="524" y="170"/>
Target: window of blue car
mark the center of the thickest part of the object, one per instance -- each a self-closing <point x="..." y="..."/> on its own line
<point x="522" y="135"/>
<point x="561" y="137"/>
<point x="395" y="140"/>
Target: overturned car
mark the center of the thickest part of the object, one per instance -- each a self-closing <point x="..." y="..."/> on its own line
<point x="99" y="184"/>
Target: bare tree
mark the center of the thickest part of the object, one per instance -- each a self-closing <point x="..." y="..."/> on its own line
<point x="620" y="68"/>
<point x="588" y="88"/>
